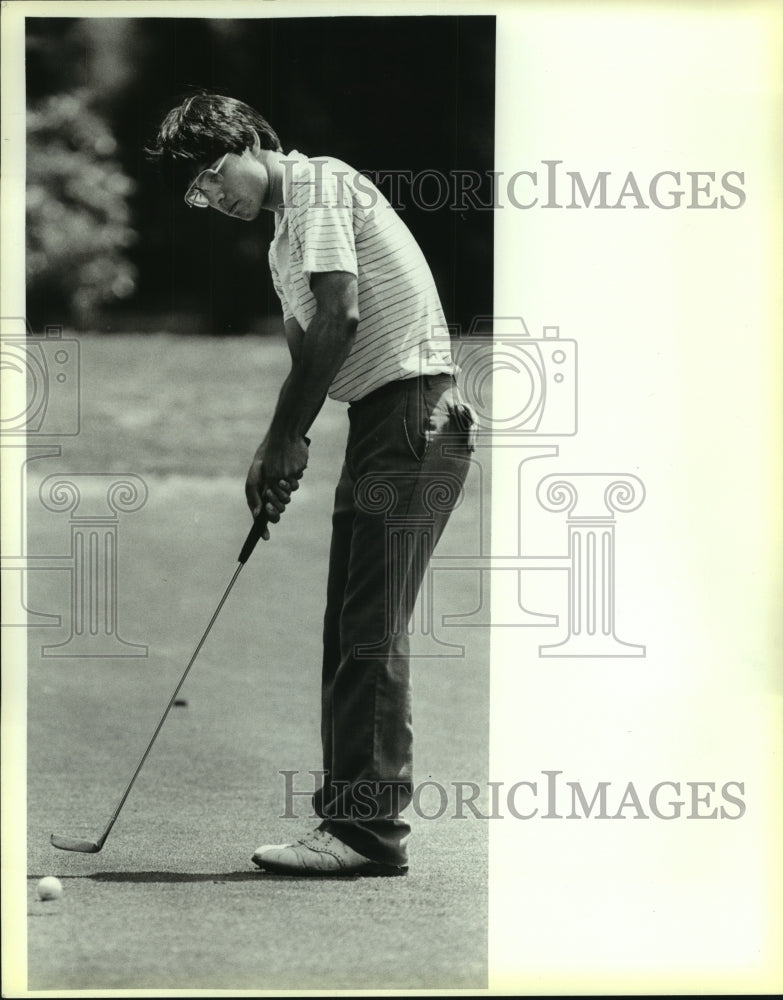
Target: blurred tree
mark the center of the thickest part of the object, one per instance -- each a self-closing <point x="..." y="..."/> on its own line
<point x="78" y="219"/>
<point x="385" y="93"/>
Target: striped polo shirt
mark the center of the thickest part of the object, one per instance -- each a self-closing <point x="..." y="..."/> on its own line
<point x="335" y="219"/>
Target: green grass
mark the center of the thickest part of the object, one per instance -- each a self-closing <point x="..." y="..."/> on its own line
<point x="172" y="901"/>
<point x="168" y="405"/>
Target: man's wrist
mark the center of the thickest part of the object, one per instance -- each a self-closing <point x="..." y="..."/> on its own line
<point x="284" y="437"/>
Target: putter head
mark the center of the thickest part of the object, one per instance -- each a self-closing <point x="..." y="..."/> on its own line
<point x="69" y="844"/>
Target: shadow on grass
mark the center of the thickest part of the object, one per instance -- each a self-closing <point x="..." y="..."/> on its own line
<point x="161" y="876"/>
<point x="254" y="875"/>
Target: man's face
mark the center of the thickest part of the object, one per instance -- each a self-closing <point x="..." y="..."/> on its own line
<point x="245" y="187"/>
<point x="237" y="184"/>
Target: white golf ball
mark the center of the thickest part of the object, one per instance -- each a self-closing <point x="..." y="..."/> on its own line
<point x="50" y="888"/>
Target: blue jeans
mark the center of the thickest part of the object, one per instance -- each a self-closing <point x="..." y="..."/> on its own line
<point x="405" y="465"/>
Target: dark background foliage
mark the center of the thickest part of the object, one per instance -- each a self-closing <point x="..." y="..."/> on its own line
<point x="111" y="244"/>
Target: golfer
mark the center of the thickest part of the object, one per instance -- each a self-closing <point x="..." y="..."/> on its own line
<point x="365" y="326"/>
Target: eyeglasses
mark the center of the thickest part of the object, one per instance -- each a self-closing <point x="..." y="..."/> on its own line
<point x="196" y="196"/>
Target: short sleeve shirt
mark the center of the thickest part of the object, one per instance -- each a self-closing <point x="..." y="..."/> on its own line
<point x="335" y="219"/>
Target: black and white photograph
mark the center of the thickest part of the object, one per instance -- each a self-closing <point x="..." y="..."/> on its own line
<point x="391" y="434"/>
<point x="204" y="195"/>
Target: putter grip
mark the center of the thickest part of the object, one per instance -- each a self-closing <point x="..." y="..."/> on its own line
<point x="252" y="538"/>
<point x="256" y="531"/>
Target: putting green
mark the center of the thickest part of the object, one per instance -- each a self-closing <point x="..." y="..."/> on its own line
<point x="172" y="901"/>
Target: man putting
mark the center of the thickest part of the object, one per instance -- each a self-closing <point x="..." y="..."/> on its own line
<point x="361" y="315"/>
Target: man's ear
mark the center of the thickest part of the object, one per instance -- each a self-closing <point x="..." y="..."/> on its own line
<point x="255" y="148"/>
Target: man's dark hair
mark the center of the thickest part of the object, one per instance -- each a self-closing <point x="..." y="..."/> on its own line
<point x="204" y="126"/>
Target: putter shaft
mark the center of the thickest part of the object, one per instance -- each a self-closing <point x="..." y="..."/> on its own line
<point x="87" y="846"/>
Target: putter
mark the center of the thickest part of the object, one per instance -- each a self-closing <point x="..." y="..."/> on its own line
<point x="90" y="847"/>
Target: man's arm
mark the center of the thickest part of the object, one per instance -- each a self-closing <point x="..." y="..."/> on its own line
<point x="316" y="357"/>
